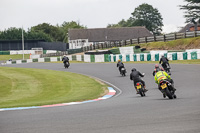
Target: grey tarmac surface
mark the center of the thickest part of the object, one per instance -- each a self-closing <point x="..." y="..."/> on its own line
<point x="124" y="113"/>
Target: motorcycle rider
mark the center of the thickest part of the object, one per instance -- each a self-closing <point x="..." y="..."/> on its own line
<point x="157" y="68"/>
<point x="135" y="76"/>
<point x="162" y="75"/>
<point x="65" y="59"/>
<point x="164" y="61"/>
<point x="120" y="65"/>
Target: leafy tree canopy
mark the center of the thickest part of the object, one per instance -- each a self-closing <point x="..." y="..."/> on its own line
<point x="192" y="11"/>
<point x="44" y="31"/>
<point x="143" y="15"/>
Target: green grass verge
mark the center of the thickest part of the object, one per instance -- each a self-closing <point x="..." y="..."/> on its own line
<point x="14" y="57"/>
<point x="22" y="87"/>
<point x="174" y="45"/>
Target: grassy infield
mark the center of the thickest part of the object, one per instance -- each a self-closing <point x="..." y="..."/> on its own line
<point x="34" y="87"/>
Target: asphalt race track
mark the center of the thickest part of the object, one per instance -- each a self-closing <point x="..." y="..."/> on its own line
<point x="124" y="113"/>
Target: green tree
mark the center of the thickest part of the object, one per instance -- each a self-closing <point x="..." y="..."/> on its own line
<point x="192" y="13"/>
<point x="146" y="15"/>
<point x="12" y="34"/>
<point x="53" y="31"/>
<point x="16" y="34"/>
<point x="70" y="25"/>
<point x="39" y="35"/>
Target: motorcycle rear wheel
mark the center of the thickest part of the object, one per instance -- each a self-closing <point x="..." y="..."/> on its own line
<point x="141" y="92"/>
<point x="168" y="93"/>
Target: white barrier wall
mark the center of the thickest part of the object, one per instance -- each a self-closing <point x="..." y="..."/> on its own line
<point x="99" y="58"/>
<point x="198" y="55"/>
<point x="8" y="62"/>
<point x="124" y="58"/>
<point x="152" y="57"/>
<point x="112" y="58"/>
<point x="87" y="58"/>
<point x="18" y="61"/>
<point x="70" y="57"/>
<point x="138" y="57"/>
<point x="169" y="56"/>
<point x="40" y="59"/>
<point x="78" y="58"/>
<point x="180" y="56"/>
<point x="52" y="59"/>
<point x="29" y="60"/>
<point x="145" y="57"/>
<point x="131" y="57"/>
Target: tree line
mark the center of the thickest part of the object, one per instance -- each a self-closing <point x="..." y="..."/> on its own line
<point x="44" y="31"/>
<point x="143" y="15"/>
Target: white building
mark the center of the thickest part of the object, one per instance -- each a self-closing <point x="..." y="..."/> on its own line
<point x="86" y="37"/>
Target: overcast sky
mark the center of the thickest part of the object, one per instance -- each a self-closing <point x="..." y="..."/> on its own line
<point x="89" y="13"/>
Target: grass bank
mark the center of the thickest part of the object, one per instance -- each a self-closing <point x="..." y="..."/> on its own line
<point x="21" y="87"/>
<point x="179" y="44"/>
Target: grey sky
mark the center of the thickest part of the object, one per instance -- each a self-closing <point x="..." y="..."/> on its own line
<point x="90" y="13"/>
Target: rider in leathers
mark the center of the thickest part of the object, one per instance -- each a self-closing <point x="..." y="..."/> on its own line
<point x="120" y="65"/>
<point x="157" y="68"/>
<point x="135" y="76"/>
<point x="65" y="59"/>
<point x="164" y="61"/>
<point x="162" y="75"/>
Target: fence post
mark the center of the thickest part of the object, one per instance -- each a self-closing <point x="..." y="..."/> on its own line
<point x="174" y="36"/>
<point x="120" y="44"/>
<point x="131" y="41"/>
<point x="154" y="37"/>
<point x="94" y="46"/>
<point x="145" y="39"/>
<point x="164" y="38"/>
<point x="195" y="34"/>
<point x="138" y="40"/>
<point x="125" y="42"/>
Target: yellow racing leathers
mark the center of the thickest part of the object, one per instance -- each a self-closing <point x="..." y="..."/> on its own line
<point x="161" y="75"/>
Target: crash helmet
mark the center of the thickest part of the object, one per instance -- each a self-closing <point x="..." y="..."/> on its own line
<point x="133" y="69"/>
<point x="119" y="60"/>
<point x="156" y="66"/>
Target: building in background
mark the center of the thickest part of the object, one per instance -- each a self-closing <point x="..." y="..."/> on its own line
<point x="190" y="27"/>
<point x="78" y="38"/>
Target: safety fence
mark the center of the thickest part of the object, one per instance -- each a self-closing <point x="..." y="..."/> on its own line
<point x="121" y="43"/>
<point x="114" y="58"/>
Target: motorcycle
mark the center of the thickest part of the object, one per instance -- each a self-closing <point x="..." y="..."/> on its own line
<point x="123" y="72"/>
<point x="167" y="89"/>
<point x="167" y="68"/>
<point x="140" y="89"/>
<point x="66" y="64"/>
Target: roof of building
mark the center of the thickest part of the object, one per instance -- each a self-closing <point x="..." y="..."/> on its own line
<point x="108" y="34"/>
<point x="187" y="27"/>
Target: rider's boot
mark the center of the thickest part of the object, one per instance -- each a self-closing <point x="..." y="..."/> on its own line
<point x="164" y="95"/>
<point x="145" y="89"/>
